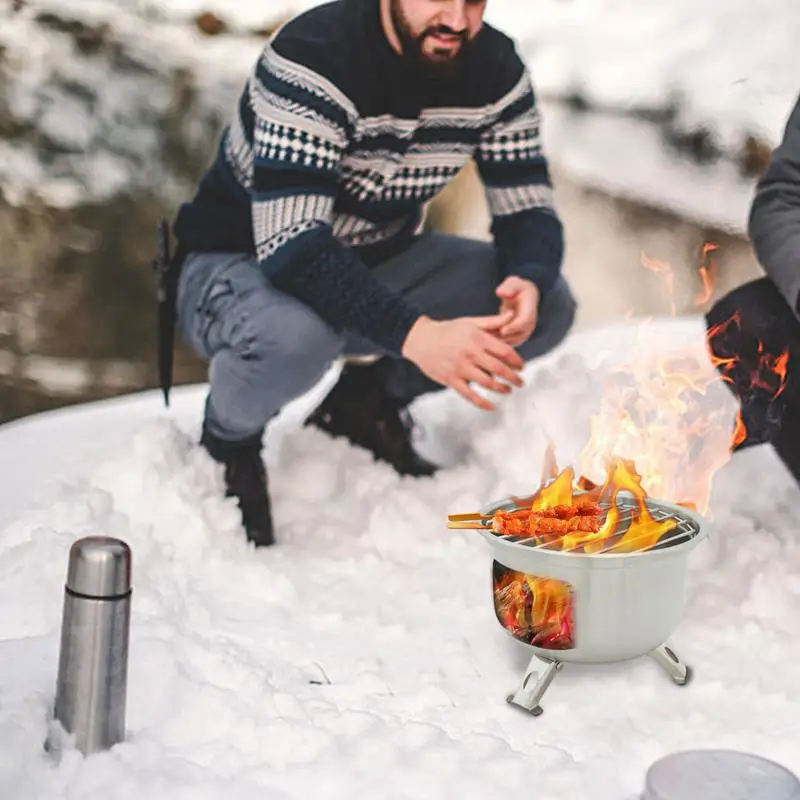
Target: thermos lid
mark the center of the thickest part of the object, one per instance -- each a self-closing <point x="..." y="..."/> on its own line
<point x="99" y="567"/>
<point x="719" y="775"/>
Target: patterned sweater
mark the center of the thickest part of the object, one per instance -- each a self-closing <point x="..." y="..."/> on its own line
<point x="336" y="146"/>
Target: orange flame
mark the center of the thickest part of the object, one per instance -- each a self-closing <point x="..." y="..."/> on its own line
<point x="536" y="610"/>
<point x="663" y="268"/>
<point x="659" y="433"/>
<point x="642" y="533"/>
<point x="708" y="269"/>
<point x="661" y="413"/>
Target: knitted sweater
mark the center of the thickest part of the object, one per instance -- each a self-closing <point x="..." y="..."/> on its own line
<point x="338" y="143"/>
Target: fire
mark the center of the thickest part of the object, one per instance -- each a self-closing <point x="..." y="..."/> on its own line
<point x="642" y="533"/>
<point x="663" y="268"/>
<point x="538" y="611"/>
<point x="663" y="414"/>
<point x="708" y="268"/>
<point x="660" y="433"/>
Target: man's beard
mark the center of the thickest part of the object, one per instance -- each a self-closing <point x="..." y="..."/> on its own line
<point x="441" y="63"/>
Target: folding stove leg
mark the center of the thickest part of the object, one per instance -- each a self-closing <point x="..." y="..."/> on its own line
<point x="680" y="673"/>
<point x="534" y="685"/>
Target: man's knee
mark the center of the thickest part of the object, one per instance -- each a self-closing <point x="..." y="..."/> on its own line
<point x="274" y="354"/>
<point x="557" y="312"/>
<point x="749" y="321"/>
<point x="750" y="332"/>
<point x="292" y="339"/>
<point x="755" y="306"/>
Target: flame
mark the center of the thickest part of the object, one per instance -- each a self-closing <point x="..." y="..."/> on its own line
<point x="642" y="533"/>
<point x="662" y="415"/>
<point x="706" y="270"/>
<point x="659" y="415"/>
<point x="660" y="432"/>
<point x="557" y="493"/>
<point x="663" y="268"/>
<point x="536" y="610"/>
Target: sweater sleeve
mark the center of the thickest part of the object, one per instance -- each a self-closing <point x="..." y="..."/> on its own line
<point x="528" y="233"/>
<point x="302" y="123"/>
<point x="774" y="221"/>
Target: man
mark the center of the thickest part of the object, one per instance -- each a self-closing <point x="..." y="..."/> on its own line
<point x="751" y="328"/>
<point x="303" y="242"/>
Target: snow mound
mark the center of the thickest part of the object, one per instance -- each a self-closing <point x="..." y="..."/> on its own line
<point x="361" y="657"/>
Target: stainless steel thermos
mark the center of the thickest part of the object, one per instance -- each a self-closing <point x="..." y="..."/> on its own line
<point x="91" y="686"/>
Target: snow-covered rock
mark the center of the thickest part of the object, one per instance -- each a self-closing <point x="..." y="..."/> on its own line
<point x="106" y="98"/>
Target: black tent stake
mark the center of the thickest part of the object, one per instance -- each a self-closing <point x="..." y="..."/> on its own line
<point x="167" y="270"/>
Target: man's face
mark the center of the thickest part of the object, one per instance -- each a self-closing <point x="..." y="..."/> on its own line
<point x="436" y="33"/>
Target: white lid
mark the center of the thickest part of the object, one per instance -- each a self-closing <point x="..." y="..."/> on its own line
<point x="719" y="775"/>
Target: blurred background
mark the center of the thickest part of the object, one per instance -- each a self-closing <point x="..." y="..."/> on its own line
<point x="658" y="120"/>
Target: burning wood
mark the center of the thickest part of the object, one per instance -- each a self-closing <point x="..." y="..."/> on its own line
<point x="537" y="611"/>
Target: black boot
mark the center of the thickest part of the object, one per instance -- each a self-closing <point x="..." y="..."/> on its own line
<point x="246" y="480"/>
<point x="360" y="409"/>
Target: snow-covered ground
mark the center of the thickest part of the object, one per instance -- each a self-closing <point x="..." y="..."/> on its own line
<point x="730" y="68"/>
<point x="360" y="658"/>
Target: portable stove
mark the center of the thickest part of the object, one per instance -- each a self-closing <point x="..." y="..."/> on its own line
<point x="600" y="607"/>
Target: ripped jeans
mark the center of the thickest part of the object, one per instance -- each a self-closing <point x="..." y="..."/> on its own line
<point x="265" y="348"/>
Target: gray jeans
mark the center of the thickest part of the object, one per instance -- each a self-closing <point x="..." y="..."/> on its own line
<point x="266" y="348"/>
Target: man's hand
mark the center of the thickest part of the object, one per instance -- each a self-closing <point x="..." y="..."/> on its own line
<point x="468" y="349"/>
<point x="519" y="298"/>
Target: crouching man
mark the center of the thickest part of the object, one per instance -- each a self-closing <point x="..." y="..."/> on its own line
<point x="303" y="242"/>
<point x="754" y="327"/>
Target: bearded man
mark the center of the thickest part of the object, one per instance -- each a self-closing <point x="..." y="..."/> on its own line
<point x="305" y="240"/>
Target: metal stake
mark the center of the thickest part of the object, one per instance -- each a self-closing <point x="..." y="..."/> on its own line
<point x="93" y="661"/>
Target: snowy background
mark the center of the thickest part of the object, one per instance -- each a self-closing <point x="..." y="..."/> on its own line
<point x="649" y="76"/>
<point x="361" y="657"/>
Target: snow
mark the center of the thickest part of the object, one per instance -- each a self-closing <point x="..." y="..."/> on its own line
<point x="623" y="56"/>
<point x="588" y="148"/>
<point x="360" y="657"/>
<point x="626" y="55"/>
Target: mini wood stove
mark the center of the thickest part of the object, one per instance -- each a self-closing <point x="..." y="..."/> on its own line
<point x="604" y="607"/>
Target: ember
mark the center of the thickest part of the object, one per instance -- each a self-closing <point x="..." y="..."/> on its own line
<point x="537" y="611"/>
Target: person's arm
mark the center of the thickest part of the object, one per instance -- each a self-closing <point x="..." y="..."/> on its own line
<point x="774" y="220"/>
<point x="528" y="233"/>
<point x="302" y="123"/>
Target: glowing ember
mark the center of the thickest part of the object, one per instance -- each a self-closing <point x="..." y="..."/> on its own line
<point x="538" y="611"/>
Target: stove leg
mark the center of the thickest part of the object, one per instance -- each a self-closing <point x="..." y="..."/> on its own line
<point x="534" y="685"/>
<point x="671" y="664"/>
